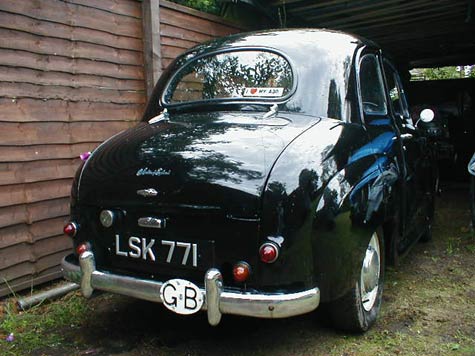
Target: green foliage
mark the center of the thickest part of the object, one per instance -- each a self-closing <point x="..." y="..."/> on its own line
<point x="209" y="6"/>
<point x="444" y="73"/>
<point x="41" y="326"/>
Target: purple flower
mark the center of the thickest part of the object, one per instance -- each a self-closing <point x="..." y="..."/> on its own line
<point x="84" y="156"/>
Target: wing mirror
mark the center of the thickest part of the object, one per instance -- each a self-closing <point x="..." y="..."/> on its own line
<point x="427" y="115"/>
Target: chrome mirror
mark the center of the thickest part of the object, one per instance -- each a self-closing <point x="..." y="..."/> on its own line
<point x="427" y="115"/>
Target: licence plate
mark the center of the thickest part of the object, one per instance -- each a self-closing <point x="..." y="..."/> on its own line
<point x="181" y="296"/>
<point x="181" y="253"/>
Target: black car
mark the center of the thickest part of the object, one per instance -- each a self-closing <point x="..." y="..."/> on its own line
<point x="271" y="172"/>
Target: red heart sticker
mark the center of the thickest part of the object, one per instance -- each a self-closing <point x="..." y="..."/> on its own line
<point x="253" y="90"/>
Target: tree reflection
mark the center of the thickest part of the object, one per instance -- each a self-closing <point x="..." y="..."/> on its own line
<point x="204" y="150"/>
<point x="227" y="75"/>
<point x="334" y="101"/>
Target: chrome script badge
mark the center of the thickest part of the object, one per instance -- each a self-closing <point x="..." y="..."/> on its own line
<point x="152" y="172"/>
<point x="149" y="192"/>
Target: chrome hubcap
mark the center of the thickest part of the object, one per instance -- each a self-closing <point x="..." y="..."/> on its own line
<point x="370" y="271"/>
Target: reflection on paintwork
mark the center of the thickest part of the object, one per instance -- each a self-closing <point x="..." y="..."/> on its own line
<point x="233" y="151"/>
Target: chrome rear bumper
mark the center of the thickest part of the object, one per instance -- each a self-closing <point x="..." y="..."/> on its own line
<point x="218" y="300"/>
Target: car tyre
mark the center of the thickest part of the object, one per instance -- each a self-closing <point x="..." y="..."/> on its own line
<point x="357" y="310"/>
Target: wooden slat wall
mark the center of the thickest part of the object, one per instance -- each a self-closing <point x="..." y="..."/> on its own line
<point x="182" y="28"/>
<point x="71" y="75"/>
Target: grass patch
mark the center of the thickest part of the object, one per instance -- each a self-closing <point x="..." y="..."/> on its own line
<point x="40" y="327"/>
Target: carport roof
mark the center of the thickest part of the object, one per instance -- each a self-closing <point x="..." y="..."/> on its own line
<point x="419" y="33"/>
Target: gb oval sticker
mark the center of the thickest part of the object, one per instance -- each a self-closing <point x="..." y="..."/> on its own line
<point x="181" y="296"/>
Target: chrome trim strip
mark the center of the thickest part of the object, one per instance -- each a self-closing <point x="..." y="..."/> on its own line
<point x="148" y="192"/>
<point x="217" y="300"/>
<point x="152" y="222"/>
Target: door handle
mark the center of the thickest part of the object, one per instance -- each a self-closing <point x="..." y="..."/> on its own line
<point x="406" y="136"/>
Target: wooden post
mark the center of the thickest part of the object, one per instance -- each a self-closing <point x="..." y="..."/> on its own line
<point x="151" y="43"/>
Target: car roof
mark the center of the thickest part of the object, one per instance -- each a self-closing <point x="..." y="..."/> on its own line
<point x="285" y="40"/>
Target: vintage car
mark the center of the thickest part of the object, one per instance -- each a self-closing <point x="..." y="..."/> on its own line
<point x="272" y="172"/>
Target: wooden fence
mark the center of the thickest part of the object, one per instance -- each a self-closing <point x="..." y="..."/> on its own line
<point x="71" y="74"/>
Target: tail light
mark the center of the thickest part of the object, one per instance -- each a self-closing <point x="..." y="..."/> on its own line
<point x="241" y="271"/>
<point x="80" y="249"/>
<point x="71" y="229"/>
<point x="269" y="252"/>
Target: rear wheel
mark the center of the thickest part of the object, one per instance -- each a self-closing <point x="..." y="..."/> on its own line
<point x="358" y="309"/>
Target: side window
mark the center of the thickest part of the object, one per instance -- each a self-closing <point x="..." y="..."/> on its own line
<point x="372" y="88"/>
<point x="396" y="93"/>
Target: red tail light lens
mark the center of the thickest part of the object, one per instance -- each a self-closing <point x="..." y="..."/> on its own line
<point x="241" y="271"/>
<point x="82" y="248"/>
<point x="71" y="229"/>
<point x="269" y="252"/>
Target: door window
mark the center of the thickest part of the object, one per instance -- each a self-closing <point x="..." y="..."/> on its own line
<point x="396" y="93"/>
<point x="371" y="86"/>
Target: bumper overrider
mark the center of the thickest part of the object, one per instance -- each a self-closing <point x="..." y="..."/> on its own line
<point x="217" y="300"/>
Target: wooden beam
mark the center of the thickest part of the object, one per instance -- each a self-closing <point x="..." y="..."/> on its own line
<point x="414" y="11"/>
<point x="343" y="9"/>
<point x="396" y="20"/>
<point x="374" y="11"/>
<point x="151" y="43"/>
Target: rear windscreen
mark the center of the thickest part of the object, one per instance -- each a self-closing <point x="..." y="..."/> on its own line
<point x="245" y="74"/>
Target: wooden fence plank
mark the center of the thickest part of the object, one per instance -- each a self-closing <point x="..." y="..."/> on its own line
<point x="48" y="92"/>
<point x="183" y="33"/>
<point x="29" y="172"/>
<point x="30" y="234"/>
<point x="44" y="152"/>
<point x="212" y="19"/>
<point x="176" y="42"/>
<point x="75" y="15"/>
<point x="198" y="24"/>
<point x="34" y="192"/>
<point x="166" y="62"/>
<point x="171" y="52"/>
<point x="18" y="58"/>
<point x="37" y="272"/>
<point x="30" y="213"/>
<point x="19" y="40"/>
<point x="28" y="110"/>
<point x="36" y="276"/>
<point x="58" y="30"/>
<point x="36" y="133"/>
<point x="31" y="76"/>
<point x="120" y="7"/>
<point x="25" y="252"/>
